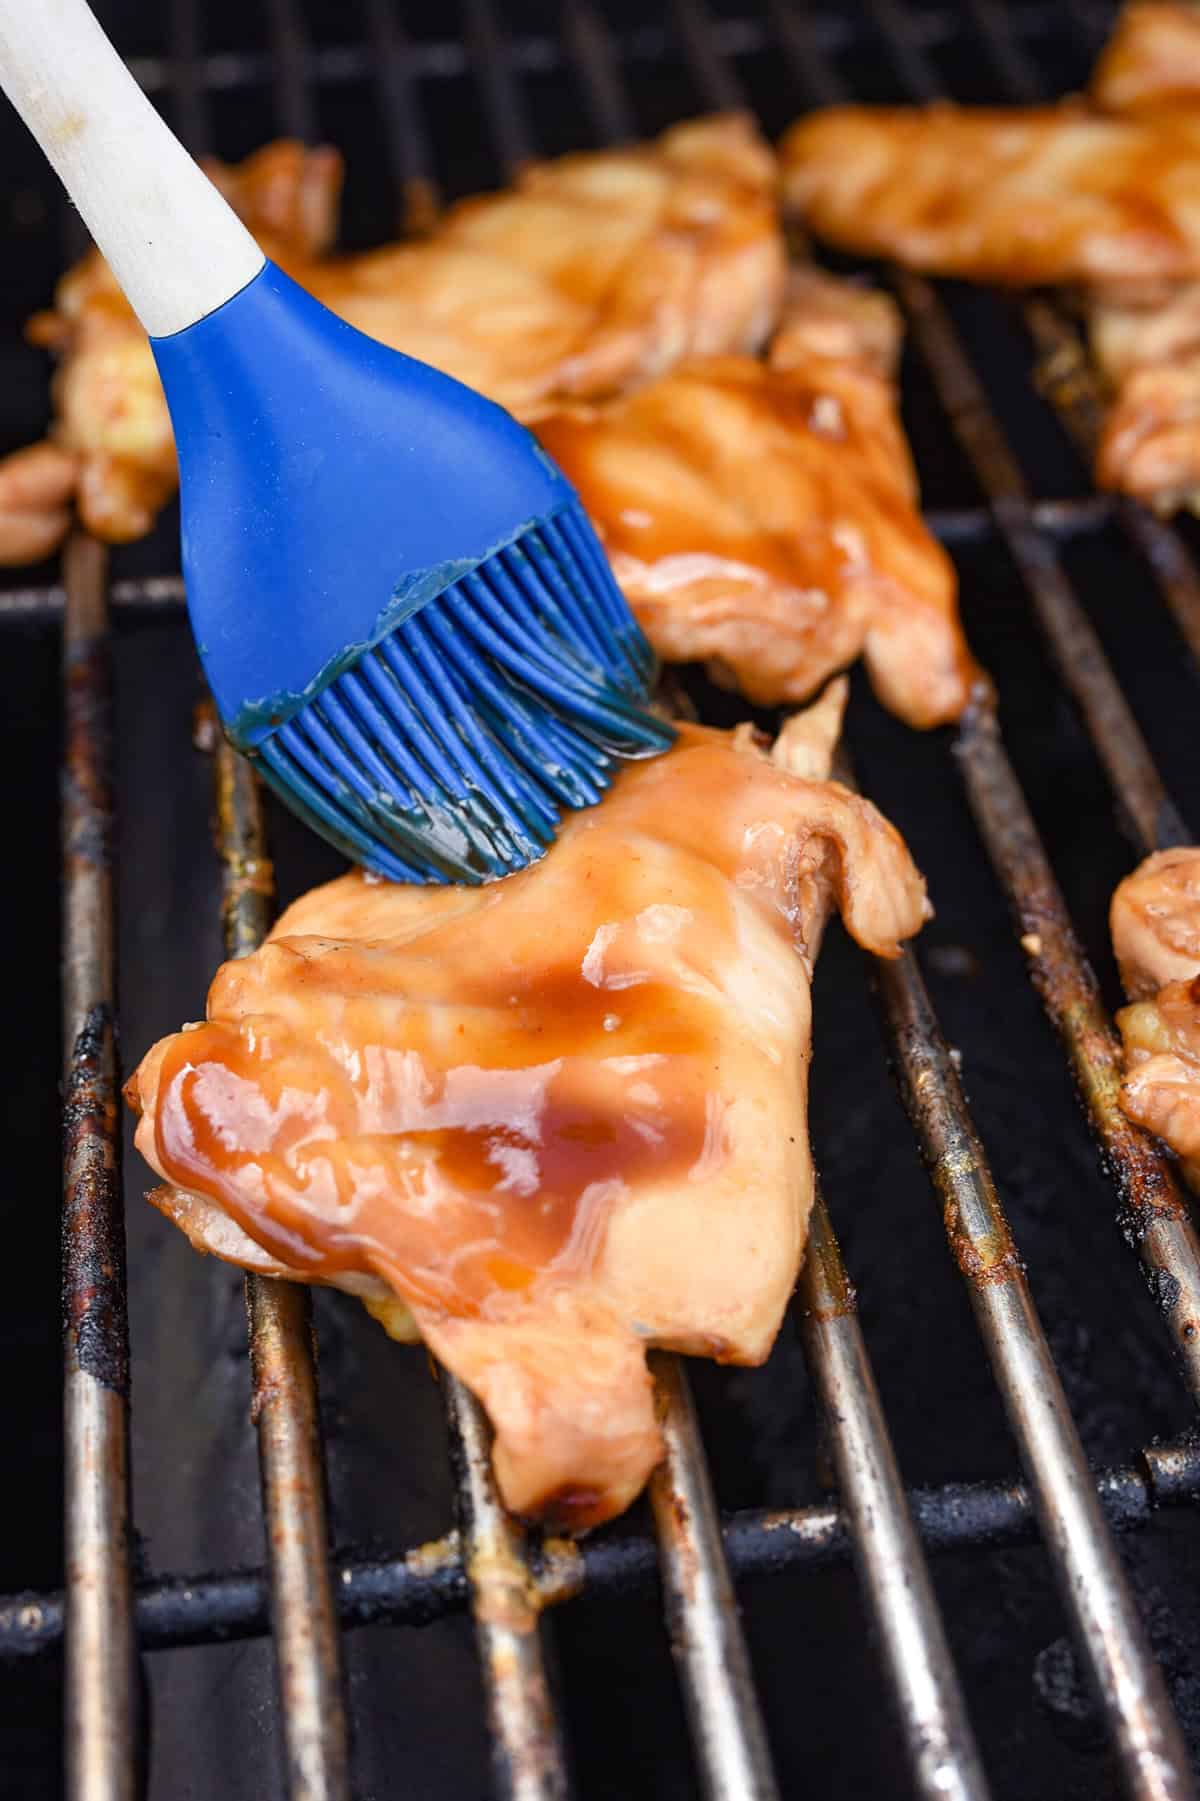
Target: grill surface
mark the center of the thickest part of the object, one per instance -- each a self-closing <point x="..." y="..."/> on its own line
<point x="857" y="1685"/>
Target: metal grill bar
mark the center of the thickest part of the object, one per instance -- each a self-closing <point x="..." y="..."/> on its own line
<point x="1154" y="1215"/>
<point x="702" y="1614"/>
<point x="283" y="1374"/>
<point x="952" y="525"/>
<point x="186" y="88"/>
<point x="1067" y="374"/>
<point x="886" y="1548"/>
<point x="887" y="1551"/>
<point x="528" y="1759"/>
<point x="284" y="1404"/>
<point x="448" y="58"/>
<point x="491" y="65"/>
<point x="1074" y="644"/>
<point x="408" y="153"/>
<point x="1091" y="1581"/>
<point x="290" y="66"/>
<point x="1089" y="1574"/>
<point x="727" y="1729"/>
<point x="589" y="48"/>
<point x="1069" y="381"/>
<point x="508" y="1590"/>
<point x="429" y="1582"/>
<point x="101" y="1722"/>
<point x="528" y="1762"/>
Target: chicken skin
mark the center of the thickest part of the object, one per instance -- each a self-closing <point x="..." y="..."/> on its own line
<point x="1147" y="345"/>
<point x="1151" y="64"/>
<point x="593" y="272"/>
<point x="762" y="517"/>
<point x="1149" y="355"/>
<point x="557" y="1120"/>
<point x="1101" y="196"/>
<point x="1155" y="921"/>
<point x="1050" y="194"/>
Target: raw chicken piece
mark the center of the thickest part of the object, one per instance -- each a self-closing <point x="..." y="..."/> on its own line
<point x="593" y="272"/>
<point x="562" y="1118"/>
<point x="763" y="518"/>
<point x="1155" y="921"/>
<point x="1151" y="64"/>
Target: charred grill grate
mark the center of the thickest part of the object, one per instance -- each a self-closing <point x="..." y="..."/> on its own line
<point x="489" y="1564"/>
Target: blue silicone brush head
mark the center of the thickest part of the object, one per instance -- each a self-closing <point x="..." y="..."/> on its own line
<point x="403" y="612"/>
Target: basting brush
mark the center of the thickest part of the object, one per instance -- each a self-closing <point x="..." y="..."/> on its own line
<point x="403" y="612"/>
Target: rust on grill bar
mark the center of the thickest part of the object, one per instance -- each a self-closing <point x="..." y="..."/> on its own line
<point x="885" y="1545"/>
<point x="1076" y="648"/>
<point x="101" y="1715"/>
<point x="1091" y="1581"/>
<point x="417" y="1587"/>
<point x="1068" y="378"/>
<point x="1154" y="1216"/>
<point x="528" y="1761"/>
<point x="284" y="1390"/>
<point x="728" y="1734"/>
<point x="506" y="1578"/>
<point x="1069" y="381"/>
<point x="1073" y="641"/>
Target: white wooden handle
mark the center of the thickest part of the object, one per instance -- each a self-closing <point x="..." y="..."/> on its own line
<point x="173" y="244"/>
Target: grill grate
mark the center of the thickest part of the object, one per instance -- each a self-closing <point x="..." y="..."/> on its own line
<point x="490" y="1565"/>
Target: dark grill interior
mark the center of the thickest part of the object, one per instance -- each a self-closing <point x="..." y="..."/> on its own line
<point x="450" y="98"/>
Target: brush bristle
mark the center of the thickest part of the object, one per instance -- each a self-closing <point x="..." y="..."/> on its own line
<point x="447" y="752"/>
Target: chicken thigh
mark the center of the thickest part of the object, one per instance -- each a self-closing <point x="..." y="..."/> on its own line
<point x="560" y="1119"/>
<point x="762" y="517"/>
<point x="594" y="271"/>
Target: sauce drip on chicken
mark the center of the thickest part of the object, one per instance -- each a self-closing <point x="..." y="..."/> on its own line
<point x="763" y="517"/>
<point x="555" y="1120"/>
<point x="463" y="1157"/>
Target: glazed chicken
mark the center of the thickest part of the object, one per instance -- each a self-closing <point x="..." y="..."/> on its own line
<point x="1149" y="355"/>
<point x="1155" y="920"/>
<point x="555" y="1121"/>
<point x="1049" y="194"/>
<point x="1151" y="63"/>
<point x="762" y="517"/>
<point x="593" y="272"/>
<point x="1103" y="196"/>
<point x="1148" y="345"/>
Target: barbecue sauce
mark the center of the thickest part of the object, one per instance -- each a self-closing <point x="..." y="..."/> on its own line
<point x="392" y="1109"/>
